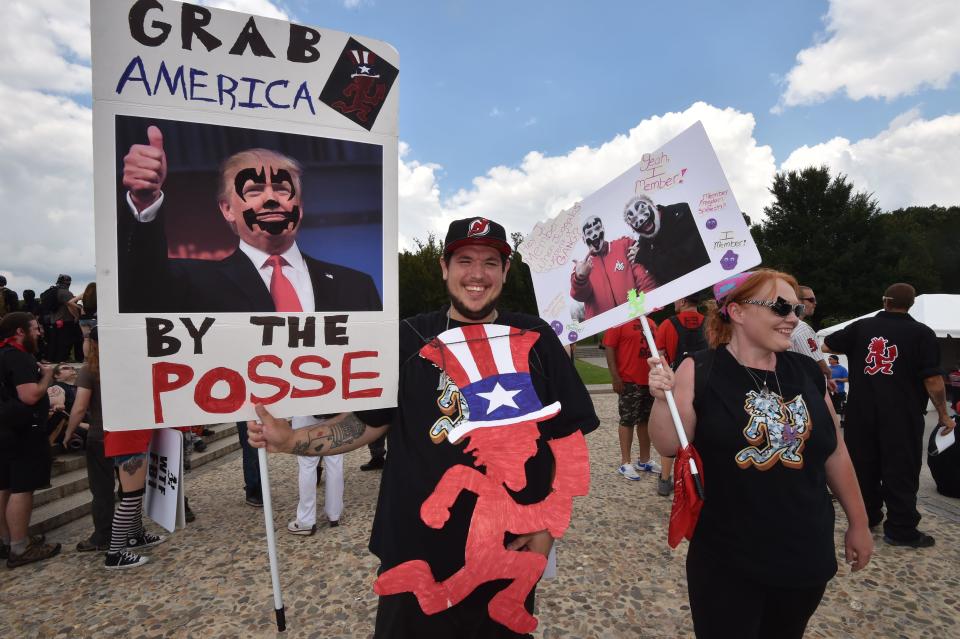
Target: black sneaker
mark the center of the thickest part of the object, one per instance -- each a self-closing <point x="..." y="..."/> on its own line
<point x="145" y="540"/>
<point x="4" y="550"/>
<point x="922" y="540"/>
<point x="207" y="432"/>
<point x="123" y="560"/>
<point x="255" y="500"/>
<point x="199" y="446"/>
<point x="376" y="463"/>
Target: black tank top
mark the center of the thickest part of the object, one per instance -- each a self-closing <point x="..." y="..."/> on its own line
<point x="767" y="513"/>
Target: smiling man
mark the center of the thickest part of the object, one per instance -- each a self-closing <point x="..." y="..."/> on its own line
<point x="259" y="197"/>
<point x="430" y="406"/>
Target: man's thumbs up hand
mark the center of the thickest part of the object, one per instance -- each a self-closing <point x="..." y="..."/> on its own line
<point x="145" y="169"/>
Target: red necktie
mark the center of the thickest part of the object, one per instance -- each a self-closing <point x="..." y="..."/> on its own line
<point x="284" y="296"/>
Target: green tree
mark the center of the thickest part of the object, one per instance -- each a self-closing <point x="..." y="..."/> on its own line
<point x="827" y="236"/>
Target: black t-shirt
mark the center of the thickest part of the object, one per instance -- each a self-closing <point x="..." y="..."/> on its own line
<point x="16" y="368"/>
<point x="889" y="355"/>
<point x="767" y="514"/>
<point x="419" y="454"/>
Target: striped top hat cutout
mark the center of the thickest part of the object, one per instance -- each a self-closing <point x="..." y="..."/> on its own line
<point x="489" y="364"/>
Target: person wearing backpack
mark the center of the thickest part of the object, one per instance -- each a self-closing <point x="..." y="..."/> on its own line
<point x="681" y="335"/>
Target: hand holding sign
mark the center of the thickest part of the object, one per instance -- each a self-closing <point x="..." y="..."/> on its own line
<point x="145" y="169"/>
<point x="276" y="435"/>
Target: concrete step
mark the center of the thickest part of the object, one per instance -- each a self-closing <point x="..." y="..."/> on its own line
<point x="69" y="499"/>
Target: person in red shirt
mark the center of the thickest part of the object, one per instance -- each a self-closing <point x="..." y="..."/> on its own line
<point x="627" y="352"/>
<point x="604" y="278"/>
<point x="681" y="333"/>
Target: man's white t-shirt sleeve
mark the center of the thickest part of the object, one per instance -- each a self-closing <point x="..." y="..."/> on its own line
<point x="148" y="214"/>
<point x="804" y="341"/>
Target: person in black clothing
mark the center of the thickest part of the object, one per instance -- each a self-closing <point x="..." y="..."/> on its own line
<point x="430" y="406"/>
<point x="24" y="452"/>
<point x="894" y="365"/>
<point x="9" y="302"/>
<point x="762" y="551"/>
<point x="668" y="243"/>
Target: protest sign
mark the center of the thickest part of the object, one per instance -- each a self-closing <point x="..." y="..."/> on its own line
<point x="163" y="501"/>
<point x="667" y="227"/>
<point x="245" y="176"/>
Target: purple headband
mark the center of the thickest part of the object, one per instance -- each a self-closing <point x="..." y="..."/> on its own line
<point x="723" y="288"/>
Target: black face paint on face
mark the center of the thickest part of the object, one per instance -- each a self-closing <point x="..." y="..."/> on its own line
<point x="283" y="175"/>
<point x="254" y="175"/>
<point x="259" y="176"/>
<point x="273" y="227"/>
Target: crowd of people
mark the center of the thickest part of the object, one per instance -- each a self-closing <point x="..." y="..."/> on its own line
<point x="756" y="395"/>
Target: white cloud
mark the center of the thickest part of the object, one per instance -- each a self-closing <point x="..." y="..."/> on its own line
<point x="257" y="7"/>
<point x="912" y="162"/>
<point x="543" y="185"/>
<point x="495" y="112"/>
<point x="46" y="45"/>
<point x="46" y="160"/>
<point x="352" y="4"/>
<point x="531" y="121"/>
<point x="878" y="49"/>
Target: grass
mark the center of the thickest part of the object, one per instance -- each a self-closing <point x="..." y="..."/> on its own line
<point x="591" y="374"/>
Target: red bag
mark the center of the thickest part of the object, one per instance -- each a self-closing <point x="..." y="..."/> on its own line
<point x="686" y="502"/>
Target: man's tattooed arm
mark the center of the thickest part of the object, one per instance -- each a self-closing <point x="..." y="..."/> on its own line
<point x="336" y="438"/>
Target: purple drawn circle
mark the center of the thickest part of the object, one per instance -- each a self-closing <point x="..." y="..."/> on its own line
<point x="572" y="336"/>
<point x="711" y="223"/>
<point x="556" y="326"/>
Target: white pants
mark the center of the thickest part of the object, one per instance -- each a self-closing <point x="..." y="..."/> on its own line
<point x="333" y="485"/>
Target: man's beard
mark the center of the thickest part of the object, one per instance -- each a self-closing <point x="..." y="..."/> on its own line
<point x="470" y="314"/>
<point x="30" y="344"/>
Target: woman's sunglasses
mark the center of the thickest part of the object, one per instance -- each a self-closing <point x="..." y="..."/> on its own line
<point x="780" y="307"/>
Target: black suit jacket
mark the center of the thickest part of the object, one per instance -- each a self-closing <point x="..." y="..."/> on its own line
<point x="151" y="282"/>
<point x="677" y="249"/>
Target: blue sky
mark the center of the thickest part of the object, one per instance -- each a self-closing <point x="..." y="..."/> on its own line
<point x="563" y="74"/>
<point x="516" y="110"/>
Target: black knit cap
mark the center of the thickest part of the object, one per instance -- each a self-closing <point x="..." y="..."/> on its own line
<point x="476" y="230"/>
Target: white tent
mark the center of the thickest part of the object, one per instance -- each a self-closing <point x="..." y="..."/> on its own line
<point x="941" y="312"/>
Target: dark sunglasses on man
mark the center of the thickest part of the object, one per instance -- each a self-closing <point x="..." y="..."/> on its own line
<point x="780" y="306"/>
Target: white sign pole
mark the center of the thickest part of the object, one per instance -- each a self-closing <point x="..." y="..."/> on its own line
<point x="271" y="539"/>
<point x="672" y="404"/>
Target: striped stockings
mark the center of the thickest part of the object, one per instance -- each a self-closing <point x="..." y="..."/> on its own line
<point x="127" y="520"/>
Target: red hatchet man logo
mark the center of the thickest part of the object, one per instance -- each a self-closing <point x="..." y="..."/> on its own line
<point x="503" y="433"/>
<point x="880" y="357"/>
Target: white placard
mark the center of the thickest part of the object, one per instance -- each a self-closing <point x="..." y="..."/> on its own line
<point x="188" y="327"/>
<point x="687" y="233"/>
<point x="163" y="501"/>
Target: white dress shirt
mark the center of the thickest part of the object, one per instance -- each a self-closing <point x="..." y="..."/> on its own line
<point x="804" y="340"/>
<point x="295" y="268"/>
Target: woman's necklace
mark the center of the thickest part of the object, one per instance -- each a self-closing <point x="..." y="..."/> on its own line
<point x="762" y="389"/>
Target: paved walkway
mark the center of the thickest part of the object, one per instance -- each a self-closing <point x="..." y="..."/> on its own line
<point x="617" y="576"/>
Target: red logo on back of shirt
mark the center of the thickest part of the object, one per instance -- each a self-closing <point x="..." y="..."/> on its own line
<point x="880" y="357"/>
<point x="812" y="343"/>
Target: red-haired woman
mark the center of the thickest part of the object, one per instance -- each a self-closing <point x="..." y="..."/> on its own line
<point x="760" y="417"/>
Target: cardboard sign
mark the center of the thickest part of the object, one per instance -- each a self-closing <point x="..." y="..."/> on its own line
<point x="664" y="229"/>
<point x="163" y="501"/>
<point x="246" y="215"/>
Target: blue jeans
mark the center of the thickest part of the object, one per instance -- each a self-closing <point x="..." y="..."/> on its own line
<point x="251" y="464"/>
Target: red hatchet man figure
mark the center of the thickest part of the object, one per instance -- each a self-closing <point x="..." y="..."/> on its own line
<point x="489" y="364"/>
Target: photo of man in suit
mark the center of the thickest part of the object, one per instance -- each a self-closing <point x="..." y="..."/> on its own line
<point x="260" y="198"/>
<point x="668" y="244"/>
